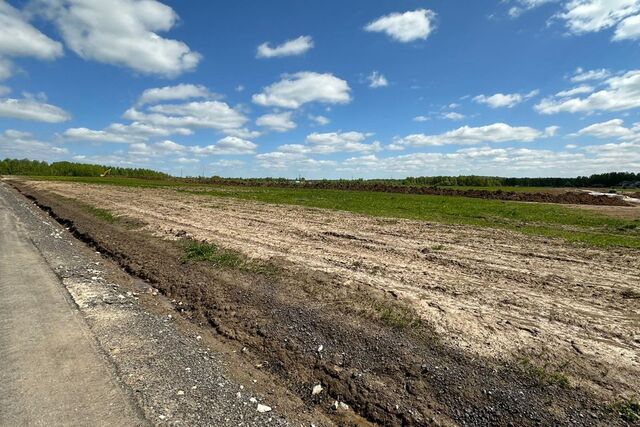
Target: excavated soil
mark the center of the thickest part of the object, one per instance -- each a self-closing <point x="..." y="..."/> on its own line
<point x="494" y="304"/>
<point x="552" y="195"/>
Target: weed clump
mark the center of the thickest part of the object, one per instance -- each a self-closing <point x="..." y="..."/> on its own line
<point x="543" y="376"/>
<point x="627" y="409"/>
<point x="226" y="258"/>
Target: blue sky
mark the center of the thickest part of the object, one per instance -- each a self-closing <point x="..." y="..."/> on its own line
<point x="324" y="89"/>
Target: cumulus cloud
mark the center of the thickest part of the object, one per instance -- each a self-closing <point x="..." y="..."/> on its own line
<point x="18" y="144"/>
<point x="278" y="122"/>
<point x="171" y="93"/>
<point x="19" y="38"/>
<point x="121" y="32"/>
<point x="376" y="80"/>
<point x="621" y="93"/>
<point x="299" y="162"/>
<point x="584" y="16"/>
<point x="227" y="145"/>
<point x="628" y="29"/>
<point x="293" y="47"/>
<point x="319" y="120"/>
<point x="582" y="75"/>
<point x="121" y="133"/>
<point x="497" y="132"/>
<point x="611" y="129"/>
<point x="205" y="114"/>
<point x="502" y="161"/>
<point x="509" y="100"/>
<point x="304" y="87"/>
<point x="405" y="27"/>
<point x="521" y="6"/>
<point x="32" y="109"/>
<point x="578" y="90"/>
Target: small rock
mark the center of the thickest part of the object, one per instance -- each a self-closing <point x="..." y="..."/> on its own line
<point x="180" y="392"/>
<point x="253" y="400"/>
<point x="263" y="408"/>
<point x="317" y="389"/>
<point x="320" y="348"/>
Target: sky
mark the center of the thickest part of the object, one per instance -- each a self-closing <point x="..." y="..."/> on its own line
<point x="330" y="89"/>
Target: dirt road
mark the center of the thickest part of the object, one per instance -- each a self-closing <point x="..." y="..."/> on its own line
<point x="51" y="370"/>
<point x="491" y="292"/>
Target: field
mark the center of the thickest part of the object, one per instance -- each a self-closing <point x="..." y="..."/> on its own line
<point x="520" y="299"/>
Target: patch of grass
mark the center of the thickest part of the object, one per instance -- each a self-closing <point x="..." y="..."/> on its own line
<point x="437" y="248"/>
<point x="627" y="409"/>
<point x="226" y="258"/>
<point x="200" y="252"/>
<point x="396" y="315"/>
<point x="543" y="376"/>
<point x="102" y="214"/>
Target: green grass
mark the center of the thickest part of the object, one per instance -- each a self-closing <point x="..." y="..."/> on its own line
<point x="628" y="409"/>
<point x="543" y="376"/>
<point x="225" y="258"/>
<point x="102" y="214"/>
<point x="540" y="219"/>
<point x="548" y="220"/>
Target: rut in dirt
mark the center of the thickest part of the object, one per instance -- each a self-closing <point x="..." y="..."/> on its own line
<point x="389" y="375"/>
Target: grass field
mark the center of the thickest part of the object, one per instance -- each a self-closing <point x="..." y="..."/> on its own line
<point x="540" y="219"/>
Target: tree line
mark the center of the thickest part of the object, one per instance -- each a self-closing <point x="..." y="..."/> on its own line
<point x="39" y="168"/>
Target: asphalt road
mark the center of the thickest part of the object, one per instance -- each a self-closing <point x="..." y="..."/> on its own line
<point x="51" y="369"/>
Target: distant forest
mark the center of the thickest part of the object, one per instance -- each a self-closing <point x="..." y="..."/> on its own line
<point x="37" y="168"/>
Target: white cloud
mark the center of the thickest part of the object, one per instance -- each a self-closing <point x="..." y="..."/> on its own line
<point x="405" y="27"/>
<point x="583" y="16"/>
<point x="377" y="80"/>
<point x="18" y="144"/>
<point x="629" y="29"/>
<point x="227" y="164"/>
<point x="611" y="129"/>
<point x="298" y="89"/>
<point x="293" y="47"/>
<point x="120" y="133"/>
<point x="121" y="32"/>
<point x="621" y="93"/>
<point x="278" y="160"/>
<point x="206" y="114"/>
<point x="421" y="119"/>
<point x="278" y="122"/>
<point x="19" y="38"/>
<point x="452" y="115"/>
<point x="526" y="5"/>
<point x="578" y="90"/>
<point x="582" y="75"/>
<point x="32" y="109"/>
<point x="227" y="145"/>
<point x="319" y="120"/>
<point x="334" y="142"/>
<point x="172" y="93"/>
<point x="497" y="132"/>
<point x="500" y="100"/>
<point x="321" y="143"/>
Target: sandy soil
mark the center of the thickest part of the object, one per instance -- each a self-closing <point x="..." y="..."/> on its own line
<point x="490" y="292"/>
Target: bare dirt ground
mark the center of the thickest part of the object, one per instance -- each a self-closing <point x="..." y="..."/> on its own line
<point x="490" y="293"/>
